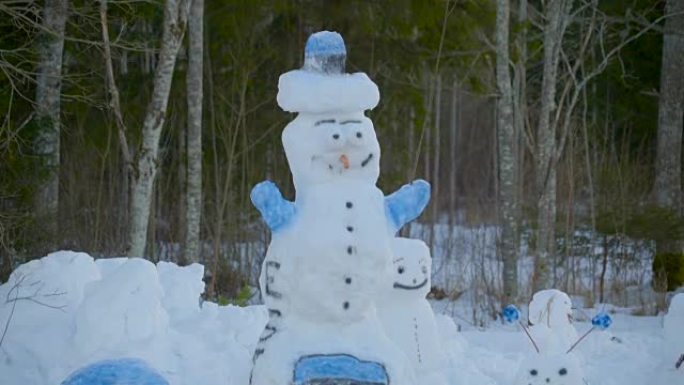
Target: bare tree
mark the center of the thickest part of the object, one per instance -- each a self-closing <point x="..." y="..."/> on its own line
<point x="48" y="92"/>
<point x="146" y="161"/>
<point x="556" y="15"/>
<point x="193" y="204"/>
<point x="508" y="245"/>
<point x="668" y="183"/>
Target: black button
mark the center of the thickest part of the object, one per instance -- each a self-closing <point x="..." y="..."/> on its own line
<point x="347" y="281"/>
<point x="349" y="250"/>
<point x="349" y="205"/>
<point x="350" y="228"/>
<point x="345" y="305"/>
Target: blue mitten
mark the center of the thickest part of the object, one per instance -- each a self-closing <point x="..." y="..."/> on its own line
<point x="407" y="203"/>
<point x="276" y="210"/>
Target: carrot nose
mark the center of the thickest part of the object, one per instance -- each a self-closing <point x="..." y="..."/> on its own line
<point x="344" y="160"/>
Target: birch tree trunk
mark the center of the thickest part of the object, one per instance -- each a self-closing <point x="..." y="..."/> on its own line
<point x="48" y="91"/>
<point x="194" y="140"/>
<point x="668" y="184"/>
<point x="556" y="14"/>
<point x="508" y="247"/>
<point x="146" y="162"/>
<point x="671" y="110"/>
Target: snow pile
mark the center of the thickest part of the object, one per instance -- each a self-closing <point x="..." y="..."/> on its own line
<point x="66" y="311"/>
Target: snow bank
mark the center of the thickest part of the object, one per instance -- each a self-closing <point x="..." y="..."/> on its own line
<point x="67" y="311"/>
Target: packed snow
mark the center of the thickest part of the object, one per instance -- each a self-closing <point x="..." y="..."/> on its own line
<point x="203" y="343"/>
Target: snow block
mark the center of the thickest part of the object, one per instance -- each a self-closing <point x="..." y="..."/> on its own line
<point x="276" y="211"/>
<point x="407" y="203"/>
<point x="339" y="369"/>
<point x="126" y="371"/>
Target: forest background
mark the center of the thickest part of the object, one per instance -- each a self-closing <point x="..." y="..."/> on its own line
<point x="138" y="128"/>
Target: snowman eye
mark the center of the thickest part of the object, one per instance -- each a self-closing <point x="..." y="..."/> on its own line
<point x="563" y="371"/>
<point x="400" y="270"/>
<point x="424" y="269"/>
<point x="534" y="372"/>
<point x="336" y="136"/>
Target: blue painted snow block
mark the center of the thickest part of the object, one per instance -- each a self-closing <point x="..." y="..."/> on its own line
<point x="126" y="371"/>
<point x="325" y="53"/>
<point x="325" y="43"/>
<point x="339" y="369"/>
<point x="276" y="210"/>
<point x="407" y="203"/>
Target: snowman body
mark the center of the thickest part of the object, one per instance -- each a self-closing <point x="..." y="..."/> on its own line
<point x="406" y="314"/>
<point x="330" y="258"/>
<point x="550" y="369"/>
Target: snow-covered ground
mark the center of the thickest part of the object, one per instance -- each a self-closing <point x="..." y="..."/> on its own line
<point x="64" y="311"/>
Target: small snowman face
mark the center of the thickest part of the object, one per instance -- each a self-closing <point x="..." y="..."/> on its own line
<point x="412" y="267"/>
<point x="562" y="369"/>
<point x="326" y="147"/>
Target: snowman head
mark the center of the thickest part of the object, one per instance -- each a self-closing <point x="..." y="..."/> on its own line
<point x="545" y="369"/>
<point x="412" y="268"/>
<point x="551" y="308"/>
<point x="330" y="139"/>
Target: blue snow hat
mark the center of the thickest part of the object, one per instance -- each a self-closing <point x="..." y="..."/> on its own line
<point x="325" y="52"/>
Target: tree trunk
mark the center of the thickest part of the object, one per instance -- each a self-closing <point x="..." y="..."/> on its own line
<point x="145" y="168"/>
<point x="669" y="260"/>
<point x="671" y="111"/>
<point x="508" y="247"/>
<point x="194" y="138"/>
<point x="48" y="91"/>
<point x="556" y="14"/>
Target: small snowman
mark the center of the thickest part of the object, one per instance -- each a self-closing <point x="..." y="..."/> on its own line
<point x="550" y="314"/>
<point x="329" y="259"/>
<point x="406" y="314"/>
<point x="673" y="324"/>
<point x="552" y="367"/>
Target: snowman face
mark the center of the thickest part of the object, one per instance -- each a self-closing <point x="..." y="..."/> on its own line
<point x="562" y="369"/>
<point x="412" y="267"/>
<point x="322" y="148"/>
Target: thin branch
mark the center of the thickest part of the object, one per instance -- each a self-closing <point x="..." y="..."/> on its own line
<point x="114" y="102"/>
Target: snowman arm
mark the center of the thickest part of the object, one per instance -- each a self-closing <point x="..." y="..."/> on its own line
<point x="276" y="210"/>
<point x="407" y="203"/>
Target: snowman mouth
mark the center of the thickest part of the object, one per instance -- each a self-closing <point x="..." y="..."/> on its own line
<point x="398" y="285"/>
<point x="367" y="160"/>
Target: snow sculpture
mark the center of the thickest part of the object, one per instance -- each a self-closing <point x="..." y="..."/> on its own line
<point x="550" y="369"/>
<point x="674" y="333"/>
<point x="116" y="372"/>
<point x="330" y="257"/>
<point x="408" y="317"/>
<point x="550" y="314"/>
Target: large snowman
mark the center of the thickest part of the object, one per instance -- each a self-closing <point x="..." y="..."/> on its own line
<point x="330" y="257"/>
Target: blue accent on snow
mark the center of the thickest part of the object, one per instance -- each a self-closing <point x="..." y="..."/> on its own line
<point x="324" y="43"/>
<point x="342" y="367"/>
<point x="510" y="314"/>
<point x="602" y="321"/>
<point x="126" y="371"/>
<point x="407" y="203"/>
<point x="276" y="210"/>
